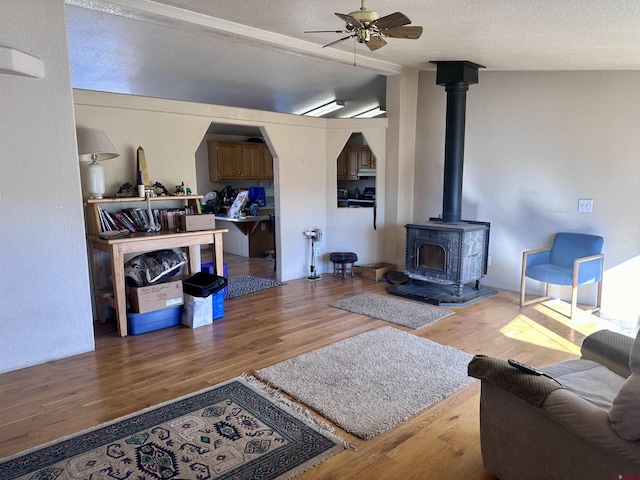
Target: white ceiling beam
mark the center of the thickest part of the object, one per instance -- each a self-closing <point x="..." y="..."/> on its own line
<point x="161" y="14"/>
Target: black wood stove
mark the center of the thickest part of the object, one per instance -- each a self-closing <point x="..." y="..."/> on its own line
<point x="446" y="254"/>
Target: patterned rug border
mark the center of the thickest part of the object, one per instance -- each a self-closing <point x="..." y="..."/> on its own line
<point x="296" y="410"/>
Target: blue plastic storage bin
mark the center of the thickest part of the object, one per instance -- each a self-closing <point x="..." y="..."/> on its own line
<point x="208" y="267"/>
<point x="217" y="300"/>
<point x="148" y="322"/>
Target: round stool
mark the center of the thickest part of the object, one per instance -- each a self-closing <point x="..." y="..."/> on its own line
<point x="342" y="261"/>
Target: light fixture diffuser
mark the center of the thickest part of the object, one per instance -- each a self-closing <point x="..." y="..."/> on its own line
<point x="325" y="109"/>
<point x="371" y="113"/>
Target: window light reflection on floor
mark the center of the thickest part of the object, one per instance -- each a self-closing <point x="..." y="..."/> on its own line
<point x="524" y="329"/>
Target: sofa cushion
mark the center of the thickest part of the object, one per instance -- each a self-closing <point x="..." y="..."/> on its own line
<point x="589" y="380"/>
<point x="624" y="414"/>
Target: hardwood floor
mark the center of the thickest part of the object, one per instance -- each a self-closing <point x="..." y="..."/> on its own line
<point x="42" y="403"/>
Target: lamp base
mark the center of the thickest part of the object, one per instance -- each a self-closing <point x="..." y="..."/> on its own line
<point x="95" y="180"/>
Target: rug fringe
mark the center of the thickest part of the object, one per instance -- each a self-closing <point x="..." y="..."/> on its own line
<point x="302" y="412"/>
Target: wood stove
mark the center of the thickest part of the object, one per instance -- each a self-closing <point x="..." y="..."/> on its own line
<point x="447" y="253"/>
<point x="447" y="250"/>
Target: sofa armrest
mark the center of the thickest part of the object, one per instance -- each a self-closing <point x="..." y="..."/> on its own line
<point x="610" y="349"/>
<point x="532" y="389"/>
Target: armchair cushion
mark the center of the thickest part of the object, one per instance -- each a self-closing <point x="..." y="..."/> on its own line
<point x="567" y="247"/>
<point x="625" y="411"/>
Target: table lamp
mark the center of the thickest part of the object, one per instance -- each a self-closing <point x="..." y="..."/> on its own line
<point x="94" y="145"/>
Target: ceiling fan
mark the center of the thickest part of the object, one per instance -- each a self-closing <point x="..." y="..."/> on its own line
<point x="369" y="28"/>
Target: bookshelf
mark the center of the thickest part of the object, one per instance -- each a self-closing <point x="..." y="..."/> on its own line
<point x="114" y="295"/>
<point x="95" y="204"/>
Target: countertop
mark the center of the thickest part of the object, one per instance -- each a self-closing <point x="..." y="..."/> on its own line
<point x="260" y="218"/>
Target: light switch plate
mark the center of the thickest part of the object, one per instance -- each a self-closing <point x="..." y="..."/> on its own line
<point x="585" y="205"/>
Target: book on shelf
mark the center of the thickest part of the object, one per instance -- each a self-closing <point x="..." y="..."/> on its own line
<point x="139" y="219"/>
<point x="125" y="222"/>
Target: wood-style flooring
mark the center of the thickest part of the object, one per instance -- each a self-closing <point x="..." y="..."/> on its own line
<point x="42" y="403"/>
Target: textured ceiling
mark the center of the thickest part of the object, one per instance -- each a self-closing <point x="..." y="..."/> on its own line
<point x="254" y="54"/>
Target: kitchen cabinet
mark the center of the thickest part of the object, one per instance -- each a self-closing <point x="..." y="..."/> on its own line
<point x="348" y="165"/>
<point x="239" y="161"/>
<point x="365" y="157"/>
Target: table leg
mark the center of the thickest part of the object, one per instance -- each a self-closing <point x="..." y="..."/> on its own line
<point x="96" y="270"/>
<point x="218" y="255"/>
<point x="119" y="291"/>
<point x="194" y="266"/>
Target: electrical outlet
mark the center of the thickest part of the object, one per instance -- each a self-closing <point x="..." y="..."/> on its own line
<point x="317" y="251"/>
<point x="263" y="227"/>
<point x="585" y="205"/>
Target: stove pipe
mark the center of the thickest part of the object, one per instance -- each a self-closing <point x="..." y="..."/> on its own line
<point x="455" y="76"/>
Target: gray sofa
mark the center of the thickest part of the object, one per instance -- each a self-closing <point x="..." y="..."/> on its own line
<point x="531" y="427"/>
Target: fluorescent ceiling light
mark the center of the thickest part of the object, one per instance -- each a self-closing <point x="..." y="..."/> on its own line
<point x="324" y="109"/>
<point x="370" y="113"/>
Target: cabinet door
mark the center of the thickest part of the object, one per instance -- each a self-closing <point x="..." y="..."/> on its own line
<point x="343" y="170"/>
<point x="366" y="158"/>
<point x="225" y="161"/>
<point x="268" y="164"/>
<point x="252" y="161"/>
<point x="352" y="167"/>
<point x="353" y="162"/>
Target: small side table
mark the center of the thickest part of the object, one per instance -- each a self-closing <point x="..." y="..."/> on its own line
<point x="342" y="261"/>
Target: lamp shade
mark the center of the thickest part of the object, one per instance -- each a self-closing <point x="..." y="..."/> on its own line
<point x="94" y="145"/>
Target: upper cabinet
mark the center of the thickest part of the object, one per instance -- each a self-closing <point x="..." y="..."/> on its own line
<point x="352" y="159"/>
<point x="365" y="157"/>
<point x="239" y="161"/>
<point x="347" y="165"/>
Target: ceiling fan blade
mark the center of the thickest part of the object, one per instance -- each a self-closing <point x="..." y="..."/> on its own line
<point x="391" y="21"/>
<point x="352" y="20"/>
<point x="337" y="41"/>
<point x="326" y="31"/>
<point x="375" y="42"/>
<point x="411" y="33"/>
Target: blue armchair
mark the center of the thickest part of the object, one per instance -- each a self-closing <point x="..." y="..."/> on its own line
<point x="574" y="259"/>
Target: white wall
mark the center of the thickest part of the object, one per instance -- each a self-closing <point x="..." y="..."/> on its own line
<point x="171" y="134"/>
<point x="536" y="142"/>
<point x="402" y="108"/>
<point x="352" y="229"/>
<point x="46" y="309"/>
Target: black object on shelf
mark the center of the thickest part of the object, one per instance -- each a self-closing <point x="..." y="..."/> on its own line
<point x="203" y="284"/>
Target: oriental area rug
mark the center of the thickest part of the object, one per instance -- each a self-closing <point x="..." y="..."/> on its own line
<point x="369" y="383"/>
<point x="246" y="285"/>
<point x="239" y="429"/>
<point x="392" y="309"/>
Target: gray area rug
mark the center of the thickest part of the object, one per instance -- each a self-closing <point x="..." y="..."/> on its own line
<point x="392" y="309"/>
<point x="369" y="383"/>
<point x="247" y="285"/>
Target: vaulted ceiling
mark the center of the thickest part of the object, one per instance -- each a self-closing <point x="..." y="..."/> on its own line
<point x="255" y="54"/>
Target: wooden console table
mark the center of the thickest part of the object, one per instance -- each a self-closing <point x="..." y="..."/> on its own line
<point x="143" y="242"/>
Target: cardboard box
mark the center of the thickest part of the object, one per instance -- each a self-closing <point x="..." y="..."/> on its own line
<point x="154" y="297"/>
<point x="374" y="271"/>
<point x="193" y="223"/>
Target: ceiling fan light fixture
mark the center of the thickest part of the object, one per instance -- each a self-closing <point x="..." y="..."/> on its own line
<point x="371" y="113"/>
<point x="325" y="109"/>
